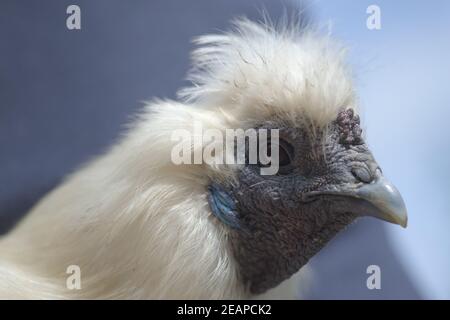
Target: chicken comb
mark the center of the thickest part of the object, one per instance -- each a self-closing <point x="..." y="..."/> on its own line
<point x="349" y="128"/>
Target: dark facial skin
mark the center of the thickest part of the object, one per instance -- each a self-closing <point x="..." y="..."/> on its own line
<point x="285" y="219"/>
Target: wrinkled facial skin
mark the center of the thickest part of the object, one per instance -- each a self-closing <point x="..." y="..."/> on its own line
<point x="285" y="219"/>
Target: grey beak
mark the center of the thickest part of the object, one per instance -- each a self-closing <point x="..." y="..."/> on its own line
<point x="384" y="201"/>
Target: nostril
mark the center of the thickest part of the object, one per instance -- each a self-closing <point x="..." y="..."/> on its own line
<point x="362" y="174"/>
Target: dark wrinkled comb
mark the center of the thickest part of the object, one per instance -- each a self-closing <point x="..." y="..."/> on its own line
<point x="349" y="128"/>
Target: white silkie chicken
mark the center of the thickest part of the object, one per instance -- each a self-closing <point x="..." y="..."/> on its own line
<point x="139" y="225"/>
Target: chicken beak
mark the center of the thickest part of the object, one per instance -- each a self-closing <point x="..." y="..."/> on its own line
<point x="383" y="201"/>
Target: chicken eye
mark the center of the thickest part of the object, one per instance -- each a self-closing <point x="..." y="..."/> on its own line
<point x="285" y="151"/>
<point x="284" y="157"/>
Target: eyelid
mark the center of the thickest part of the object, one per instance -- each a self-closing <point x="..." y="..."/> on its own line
<point x="362" y="173"/>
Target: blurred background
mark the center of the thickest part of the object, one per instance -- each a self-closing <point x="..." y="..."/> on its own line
<point x="66" y="94"/>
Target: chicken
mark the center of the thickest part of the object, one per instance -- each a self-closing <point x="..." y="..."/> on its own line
<point x="140" y="225"/>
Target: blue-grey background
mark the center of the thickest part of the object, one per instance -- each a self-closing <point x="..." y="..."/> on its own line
<point x="64" y="96"/>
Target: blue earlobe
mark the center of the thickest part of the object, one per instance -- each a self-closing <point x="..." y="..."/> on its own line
<point x="223" y="206"/>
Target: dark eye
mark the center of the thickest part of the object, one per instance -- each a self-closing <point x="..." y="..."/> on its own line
<point x="284" y="156"/>
<point x="285" y="152"/>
